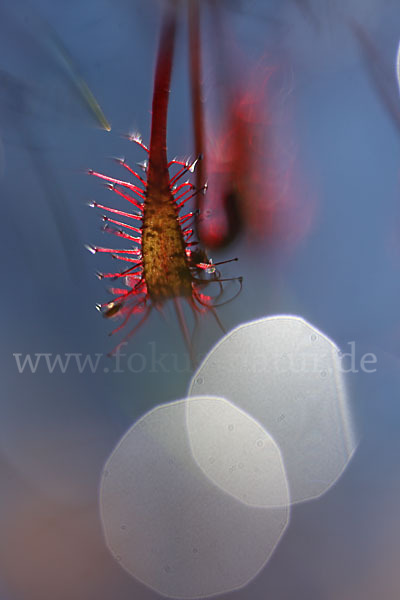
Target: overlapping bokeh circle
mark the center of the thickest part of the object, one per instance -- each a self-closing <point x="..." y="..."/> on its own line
<point x="196" y="495"/>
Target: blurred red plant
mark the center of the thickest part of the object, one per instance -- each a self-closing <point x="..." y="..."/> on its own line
<point x="250" y="194"/>
<point x="240" y="198"/>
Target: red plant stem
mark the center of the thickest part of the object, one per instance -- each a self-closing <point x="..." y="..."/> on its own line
<point x="196" y="93"/>
<point x="158" y="175"/>
<point x="165" y="263"/>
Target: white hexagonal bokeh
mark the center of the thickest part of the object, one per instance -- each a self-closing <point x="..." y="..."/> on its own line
<point x="288" y="376"/>
<point x="168" y="525"/>
<point x="236" y="452"/>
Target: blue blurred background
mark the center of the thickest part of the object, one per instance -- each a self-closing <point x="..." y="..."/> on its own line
<point x="341" y="272"/>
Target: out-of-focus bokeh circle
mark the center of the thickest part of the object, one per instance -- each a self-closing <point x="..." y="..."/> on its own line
<point x="236" y="452"/>
<point x="168" y="525"/>
<point x="289" y="376"/>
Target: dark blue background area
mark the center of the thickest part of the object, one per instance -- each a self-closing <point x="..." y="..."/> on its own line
<point x="342" y="275"/>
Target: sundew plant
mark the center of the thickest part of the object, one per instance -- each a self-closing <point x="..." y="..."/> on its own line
<point x="165" y="262"/>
